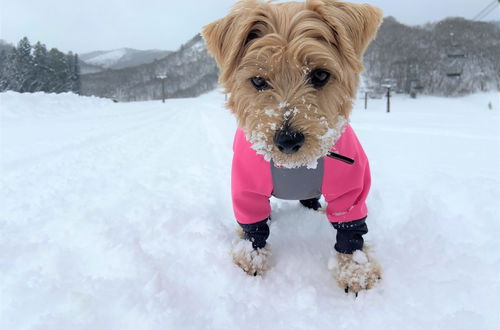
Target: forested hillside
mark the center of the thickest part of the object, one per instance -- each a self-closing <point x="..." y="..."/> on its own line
<point x="452" y="57"/>
<point x="190" y="71"/>
<point x="28" y="68"/>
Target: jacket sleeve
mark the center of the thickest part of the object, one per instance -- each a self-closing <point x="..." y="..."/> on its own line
<point x="251" y="182"/>
<point x="346" y="186"/>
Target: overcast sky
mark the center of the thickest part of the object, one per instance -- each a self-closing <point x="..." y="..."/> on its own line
<point x="86" y="25"/>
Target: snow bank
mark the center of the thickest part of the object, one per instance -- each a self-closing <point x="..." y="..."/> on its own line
<point x="15" y="105"/>
<point x="118" y="216"/>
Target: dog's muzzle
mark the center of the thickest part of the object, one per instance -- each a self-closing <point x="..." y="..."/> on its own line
<point x="288" y="141"/>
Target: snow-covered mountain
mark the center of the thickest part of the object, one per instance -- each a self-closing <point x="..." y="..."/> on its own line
<point x="190" y="71"/>
<point x="118" y="216"/>
<point x="122" y="57"/>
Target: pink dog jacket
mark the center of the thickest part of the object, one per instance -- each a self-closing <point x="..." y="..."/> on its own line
<point x="344" y="186"/>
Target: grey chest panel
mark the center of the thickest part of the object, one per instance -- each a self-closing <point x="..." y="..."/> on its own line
<point x="297" y="183"/>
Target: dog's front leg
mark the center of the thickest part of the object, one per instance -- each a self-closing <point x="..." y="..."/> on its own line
<point x="354" y="268"/>
<point x="252" y="252"/>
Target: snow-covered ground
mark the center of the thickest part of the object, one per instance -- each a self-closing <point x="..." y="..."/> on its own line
<point x="118" y="216"/>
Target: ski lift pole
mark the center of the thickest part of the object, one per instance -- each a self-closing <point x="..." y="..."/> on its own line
<point x="388" y="99"/>
<point x="163" y="90"/>
<point x="162" y="77"/>
<point x="388" y="95"/>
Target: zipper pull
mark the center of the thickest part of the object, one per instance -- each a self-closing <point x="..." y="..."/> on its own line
<point x="344" y="159"/>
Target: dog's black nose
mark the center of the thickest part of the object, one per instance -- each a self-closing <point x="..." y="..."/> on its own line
<point x="289" y="141"/>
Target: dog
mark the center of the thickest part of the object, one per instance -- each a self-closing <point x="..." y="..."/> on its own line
<point x="291" y="71"/>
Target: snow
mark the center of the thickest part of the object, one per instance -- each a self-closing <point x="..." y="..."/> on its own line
<point x="108" y="58"/>
<point x="118" y="216"/>
<point x="360" y="257"/>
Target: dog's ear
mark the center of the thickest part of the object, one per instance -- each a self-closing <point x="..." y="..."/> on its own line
<point x="225" y="39"/>
<point x="359" y="22"/>
<point x="217" y="37"/>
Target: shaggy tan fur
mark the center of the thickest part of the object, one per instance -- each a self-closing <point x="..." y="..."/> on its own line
<point x="293" y="38"/>
<point x="283" y="43"/>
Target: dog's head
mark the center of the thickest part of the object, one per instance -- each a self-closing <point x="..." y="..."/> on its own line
<point x="292" y="70"/>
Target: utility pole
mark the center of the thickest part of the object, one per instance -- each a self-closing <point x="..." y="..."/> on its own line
<point x="162" y="77"/>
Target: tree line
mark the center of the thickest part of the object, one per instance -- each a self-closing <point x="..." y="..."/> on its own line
<point x="28" y="68"/>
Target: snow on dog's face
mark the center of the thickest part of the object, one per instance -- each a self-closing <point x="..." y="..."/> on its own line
<point x="292" y="70"/>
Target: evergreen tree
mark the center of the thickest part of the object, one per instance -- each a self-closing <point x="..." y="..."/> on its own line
<point x="3" y="57"/>
<point x="68" y="83"/>
<point x="76" y="83"/>
<point x="8" y="72"/>
<point x="23" y="78"/>
<point x="58" y="72"/>
<point x="4" y="64"/>
<point x="40" y="68"/>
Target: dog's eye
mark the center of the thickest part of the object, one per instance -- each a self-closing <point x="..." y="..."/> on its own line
<point x="259" y="83"/>
<point x="318" y="78"/>
<point x="251" y="36"/>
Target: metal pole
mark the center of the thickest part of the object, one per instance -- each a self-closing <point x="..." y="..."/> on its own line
<point x="162" y="77"/>
<point x="366" y="100"/>
<point x="388" y="99"/>
<point x="163" y="89"/>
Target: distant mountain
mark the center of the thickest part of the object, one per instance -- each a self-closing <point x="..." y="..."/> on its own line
<point x="122" y="58"/>
<point x="190" y="72"/>
<point x="5" y="46"/>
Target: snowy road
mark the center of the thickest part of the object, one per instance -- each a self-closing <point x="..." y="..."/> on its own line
<point x="118" y="216"/>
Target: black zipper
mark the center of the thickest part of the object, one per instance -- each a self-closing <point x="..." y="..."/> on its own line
<point x="344" y="159"/>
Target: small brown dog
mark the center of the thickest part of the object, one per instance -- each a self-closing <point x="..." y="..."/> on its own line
<point x="292" y="70"/>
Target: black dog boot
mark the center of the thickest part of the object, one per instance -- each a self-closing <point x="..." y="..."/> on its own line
<point x="257" y="233"/>
<point x="312" y="203"/>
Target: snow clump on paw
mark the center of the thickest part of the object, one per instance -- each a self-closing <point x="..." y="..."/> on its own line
<point x="252" y="261"/>
<point x="355" y="272"/>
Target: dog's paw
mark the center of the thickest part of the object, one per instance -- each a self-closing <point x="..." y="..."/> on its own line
<point x="253" y="261"/>
<point x="355" y="272"/>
